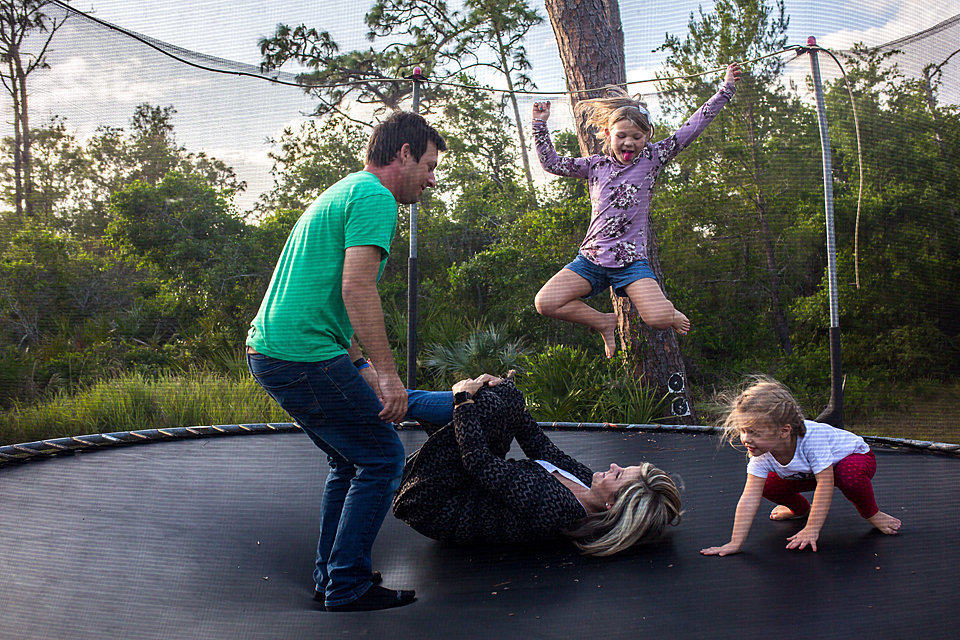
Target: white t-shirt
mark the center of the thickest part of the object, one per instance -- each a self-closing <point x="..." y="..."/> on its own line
<point x="821" y="447"/>
<point x="550" y="467"/>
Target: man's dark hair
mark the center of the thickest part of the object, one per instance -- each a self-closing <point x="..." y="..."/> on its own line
<point x="402" y="127"/>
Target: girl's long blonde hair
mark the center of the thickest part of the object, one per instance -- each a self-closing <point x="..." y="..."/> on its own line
<point x="640" y="514"/>
<point x="603" y="113"/>
<point x="766" y="404"/>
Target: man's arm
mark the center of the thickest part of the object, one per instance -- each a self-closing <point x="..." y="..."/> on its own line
<point x="354" y="350"/>
<point x="367" y="370"/>
<point x="361" y="265"/>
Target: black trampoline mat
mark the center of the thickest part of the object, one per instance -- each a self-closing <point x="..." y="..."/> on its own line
<point x="215" y="538"/>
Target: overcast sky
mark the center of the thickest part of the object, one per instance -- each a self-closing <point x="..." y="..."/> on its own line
<point x="97" y="77"/>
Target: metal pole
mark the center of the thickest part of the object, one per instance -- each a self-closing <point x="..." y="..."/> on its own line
<point x="833" y="414"/>
<point x="413" y="277"/>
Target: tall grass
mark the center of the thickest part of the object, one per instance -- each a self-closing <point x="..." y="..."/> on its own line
<point x="561" y="384"/>
<point x="135" y="401"/>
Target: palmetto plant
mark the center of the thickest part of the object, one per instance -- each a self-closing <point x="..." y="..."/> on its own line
<point x="484" y="350"/>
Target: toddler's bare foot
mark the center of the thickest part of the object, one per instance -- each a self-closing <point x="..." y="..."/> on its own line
<point x="885" y="523"/>
<point x="681" y="323"/>
<point x="781" y="512"/>
<point x="609" y="333"/>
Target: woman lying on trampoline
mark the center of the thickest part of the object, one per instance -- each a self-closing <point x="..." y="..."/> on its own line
<point x="459" y="488"/>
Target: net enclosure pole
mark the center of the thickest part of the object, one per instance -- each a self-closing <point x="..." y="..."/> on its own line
<point x="833" y="413"/>
<point x="413" y="276"/>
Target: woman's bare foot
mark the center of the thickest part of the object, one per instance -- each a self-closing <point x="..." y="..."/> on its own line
<point x="781" y="512"/>
<point x="885" y="523"/>
<point x="681" y="323"/>
<point x="609" y="333"/>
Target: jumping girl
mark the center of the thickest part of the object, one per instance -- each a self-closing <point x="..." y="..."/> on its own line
<point x="614" y="251"/>
<point x="788" y="455"/>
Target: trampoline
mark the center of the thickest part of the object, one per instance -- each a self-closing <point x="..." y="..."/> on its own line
<point x="215" y="538"/>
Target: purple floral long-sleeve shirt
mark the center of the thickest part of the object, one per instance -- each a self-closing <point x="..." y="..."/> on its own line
<point x="620" y="194"/>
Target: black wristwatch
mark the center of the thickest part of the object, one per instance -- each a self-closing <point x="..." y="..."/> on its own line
<point x="461" y="396"/>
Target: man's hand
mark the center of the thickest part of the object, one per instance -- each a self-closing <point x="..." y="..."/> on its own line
<point x="360" y="297"/>
<point x="393" y="395"/>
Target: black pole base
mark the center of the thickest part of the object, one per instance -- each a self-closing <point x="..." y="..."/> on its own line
<point x="833" y="414"/>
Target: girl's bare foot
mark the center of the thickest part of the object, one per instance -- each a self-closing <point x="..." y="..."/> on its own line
<point x="781" y="512"/>
<point x="681" y="323"/>
<point x="609" y="333"/>
<point x="885" y="523"/>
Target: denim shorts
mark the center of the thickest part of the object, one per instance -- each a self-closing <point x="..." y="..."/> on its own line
<point x="617" y="277"/>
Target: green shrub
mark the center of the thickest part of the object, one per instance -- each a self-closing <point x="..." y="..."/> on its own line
<point x="566" y="384"/>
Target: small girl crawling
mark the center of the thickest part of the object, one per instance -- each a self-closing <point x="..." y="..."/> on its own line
<point x="788" y="455"/>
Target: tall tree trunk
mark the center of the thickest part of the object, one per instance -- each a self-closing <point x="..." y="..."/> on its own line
<point x="14" y="90"/>
<point x="26" y="163"/>
<point x="590" y="38"/>
<point x="17" y="19"/>
<point x="504" y="64"/>
<point x="591" y="55"/>
<point x="616" y="26"/>
<point x="780" y="327"/>
<point x="773" y="273"/>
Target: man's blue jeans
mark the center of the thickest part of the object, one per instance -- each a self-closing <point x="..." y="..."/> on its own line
<point x="333" y="405"/>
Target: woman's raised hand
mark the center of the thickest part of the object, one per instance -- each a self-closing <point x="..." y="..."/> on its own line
<point x="472" y="385"/>
<point x="487" y="380"/>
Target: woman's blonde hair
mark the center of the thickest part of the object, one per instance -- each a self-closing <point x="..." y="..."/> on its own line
<point x="766" y="404"/>
<point x="603" y="113"/>
<point x="640" y="514"/>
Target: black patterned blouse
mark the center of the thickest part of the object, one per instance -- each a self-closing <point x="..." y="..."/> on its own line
<point x="460" y="488"/>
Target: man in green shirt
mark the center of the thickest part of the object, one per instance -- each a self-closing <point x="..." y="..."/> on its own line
<point x="323" y="293"/>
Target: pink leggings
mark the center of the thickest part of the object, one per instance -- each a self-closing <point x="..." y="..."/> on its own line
<point x="851" y="475"/>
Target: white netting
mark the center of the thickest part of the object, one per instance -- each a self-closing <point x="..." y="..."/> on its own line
<point x="99" y="72"/>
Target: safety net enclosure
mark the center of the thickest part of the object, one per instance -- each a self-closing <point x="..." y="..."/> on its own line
<point x="742" y="243"/>
<point x="163" y="179"/>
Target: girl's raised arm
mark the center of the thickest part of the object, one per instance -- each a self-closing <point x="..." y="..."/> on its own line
<point x="549" y="160"/>
<point x="669" y="147"/>
<point x="746" y="510"/>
